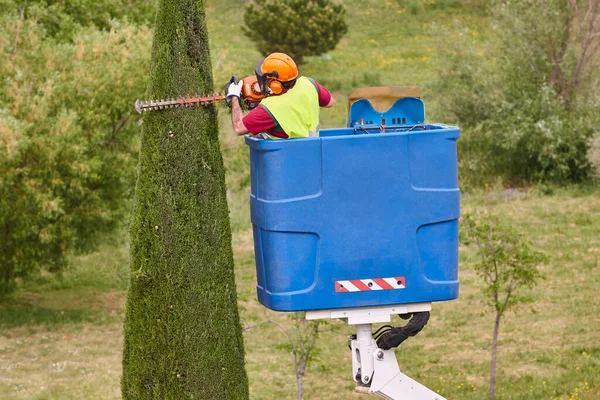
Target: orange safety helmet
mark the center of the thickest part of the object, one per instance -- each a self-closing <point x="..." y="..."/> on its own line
<point x="274" y="70"/>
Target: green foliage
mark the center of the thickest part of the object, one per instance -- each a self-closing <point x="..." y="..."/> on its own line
<point x="299" y="28"/>
<point x="594" y="154"/>
<point x="61" y="19"/>
<point x="530" y="138"/>
<point x="508" y="262"/>
<point x="304" y="343"/>
<point x="66" y="141"/>
<point x="183" y="336"/>
<point x="301" y="343"/>
<point x="527" y="114"/>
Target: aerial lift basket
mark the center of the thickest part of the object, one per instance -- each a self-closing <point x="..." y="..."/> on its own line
<point x="365" y="215"/>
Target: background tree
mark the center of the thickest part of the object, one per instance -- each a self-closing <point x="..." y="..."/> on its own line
<point x="508" y="265"/>
<point x="66" y="140"/>
<point x="61" y="19"/>
<point x="301" y="343"/>
<point x="527" y="103"/>
<point x="299" y="28"/>
<point x="183" y="337"/>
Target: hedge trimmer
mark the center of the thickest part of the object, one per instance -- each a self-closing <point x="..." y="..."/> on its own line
<point x="250" y="93"/>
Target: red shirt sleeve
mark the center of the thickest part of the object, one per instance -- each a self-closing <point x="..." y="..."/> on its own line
<point x="324" y="95"/>
<point x="258" y="120"/>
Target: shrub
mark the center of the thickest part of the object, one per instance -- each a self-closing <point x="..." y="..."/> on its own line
<point x="67" y="142"/>
<point x="527" y="111"/>
<point x="533" y="139"/>
<point x="61" y="19"/>
<point x="299" y="28"/>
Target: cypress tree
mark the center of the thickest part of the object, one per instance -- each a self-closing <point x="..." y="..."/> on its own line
<point x="183" y="337"/>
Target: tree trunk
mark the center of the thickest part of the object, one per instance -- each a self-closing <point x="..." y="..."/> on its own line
<point x="494" y="350"/>
<point x="299" y="383"/>
<point x="183" y="337"/>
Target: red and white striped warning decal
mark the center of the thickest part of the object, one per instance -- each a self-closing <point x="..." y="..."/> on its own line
<point x="364" y="285"/>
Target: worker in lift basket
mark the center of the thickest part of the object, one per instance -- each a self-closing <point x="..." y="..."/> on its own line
<point x="291" y="106"/>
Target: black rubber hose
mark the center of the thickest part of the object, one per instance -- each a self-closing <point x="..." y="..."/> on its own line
<point x="395" y="336"/>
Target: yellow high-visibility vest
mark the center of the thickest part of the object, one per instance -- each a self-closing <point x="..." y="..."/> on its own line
<point x="297" y="110"/>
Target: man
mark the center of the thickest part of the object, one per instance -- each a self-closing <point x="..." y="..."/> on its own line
<point x="291" y="108"/>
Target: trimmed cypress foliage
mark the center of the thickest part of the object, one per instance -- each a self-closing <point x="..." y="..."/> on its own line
<point x="183" y="337"/>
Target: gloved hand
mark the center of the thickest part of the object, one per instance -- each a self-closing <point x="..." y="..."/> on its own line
<point x="235" y="89"/>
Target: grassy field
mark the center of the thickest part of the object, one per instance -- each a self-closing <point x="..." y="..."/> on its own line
<point x="62" y="338"/>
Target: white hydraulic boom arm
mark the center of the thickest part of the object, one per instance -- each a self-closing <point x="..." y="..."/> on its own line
<point x="374" y="370"/>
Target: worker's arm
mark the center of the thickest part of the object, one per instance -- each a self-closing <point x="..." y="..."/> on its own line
<point x="236" y="117"/>
<point x="234" y="91"/>
<point x="326" y="99"/>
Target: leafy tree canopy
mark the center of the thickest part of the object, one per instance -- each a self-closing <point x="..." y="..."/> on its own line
<point x="528" y="101"/>
<point x="60" y="19"/>
<point x="66" y="140"/>
<point x="298" y="28"/>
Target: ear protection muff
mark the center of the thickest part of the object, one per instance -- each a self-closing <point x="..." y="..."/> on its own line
<point x="268" y="80"/>
<point x="275" y="86"/>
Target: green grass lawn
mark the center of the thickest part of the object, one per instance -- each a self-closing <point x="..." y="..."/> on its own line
<point x="62" y="338"/>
